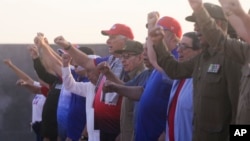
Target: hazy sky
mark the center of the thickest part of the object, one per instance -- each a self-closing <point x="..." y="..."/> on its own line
<point x="80" y="21"/>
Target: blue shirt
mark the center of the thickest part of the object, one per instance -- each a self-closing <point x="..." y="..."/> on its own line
<point x="152" y="108"/>
<point x="77" y="112"/>
<point x="175" y="53"/>
<point x="63" y="112"/>
<point x="141" y="79"/>
<point x="184" y="111"/>
<point x="101" y="59"/>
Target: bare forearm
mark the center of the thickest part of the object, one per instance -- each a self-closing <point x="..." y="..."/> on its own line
<point x="246" y="22"/>
<point x="132" y="92"/>
<point x="56" y="55"/>
<point x="152" y="57"/>
<point x="81" y="58"/>
<point x="50" y="61"/>
<point x="112" y="77"/>
<point x="19" y="72"/>
<point x="240" y="26"/>
<point x="33" y="89"/>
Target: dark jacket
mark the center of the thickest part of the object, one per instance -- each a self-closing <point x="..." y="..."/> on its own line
<point x="237" y="51"/>
<point x="49" y="114"/>
<point x="216" y="87"/>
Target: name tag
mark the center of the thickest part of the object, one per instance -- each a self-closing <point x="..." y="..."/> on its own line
<point x="58" y="86"/>
<point x="213" y="68"/>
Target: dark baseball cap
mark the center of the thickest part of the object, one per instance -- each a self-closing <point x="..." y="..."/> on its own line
<point x="131" y="46"/>
<point x="215" y="11"/>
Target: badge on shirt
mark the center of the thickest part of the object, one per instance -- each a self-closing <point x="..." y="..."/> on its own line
<point x="58" y="86"/>
<point x="213" y="68"/>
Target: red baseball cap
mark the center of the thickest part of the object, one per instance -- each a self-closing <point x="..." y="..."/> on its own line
<point x="119" y="29"/>
<point x="171" y="24"/>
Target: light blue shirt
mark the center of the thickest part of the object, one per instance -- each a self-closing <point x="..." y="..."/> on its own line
<point x="62" y="112"/>
<point x="184" y="111"/>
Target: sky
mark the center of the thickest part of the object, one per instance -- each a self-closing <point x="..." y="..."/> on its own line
<point x="80" y="21"/>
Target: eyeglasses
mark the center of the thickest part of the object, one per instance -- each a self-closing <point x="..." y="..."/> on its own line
<point x="183" y="46"/>
<point x="127" y="56"/>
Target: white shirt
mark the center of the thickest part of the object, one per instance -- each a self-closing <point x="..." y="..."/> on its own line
<point x="37" y="107"/>
<point x="85" y="89"/>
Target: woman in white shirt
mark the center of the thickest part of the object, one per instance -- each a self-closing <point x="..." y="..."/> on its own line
<point x="85" y="89"/>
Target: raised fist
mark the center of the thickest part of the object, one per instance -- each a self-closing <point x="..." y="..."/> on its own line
<point x="60" y="41"/>
<point x="152" y="19"/>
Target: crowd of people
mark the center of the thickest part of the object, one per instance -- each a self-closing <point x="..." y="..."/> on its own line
<point x="172" y="87"/>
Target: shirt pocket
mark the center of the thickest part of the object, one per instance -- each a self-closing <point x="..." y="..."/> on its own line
<point x="212" y="86"/>
<point x="213" y="78"/>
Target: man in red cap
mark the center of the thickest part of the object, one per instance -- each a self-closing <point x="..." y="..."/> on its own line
<point x="215" y="76"/>
<point x="119" y="29"/>
<point x="172" y="36"/>
<point x="173" y="27"/>
<point x="109" y="122"/>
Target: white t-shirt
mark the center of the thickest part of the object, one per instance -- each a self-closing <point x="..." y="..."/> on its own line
<point x="85" y="89"/>
<point x="37" y="107"/>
